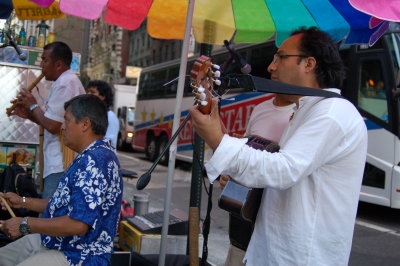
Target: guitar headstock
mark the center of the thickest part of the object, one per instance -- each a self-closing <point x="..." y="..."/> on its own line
<point x="202" y="81"/>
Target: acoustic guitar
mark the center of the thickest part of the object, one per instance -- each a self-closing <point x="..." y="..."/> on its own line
<point x="243" y="202"/>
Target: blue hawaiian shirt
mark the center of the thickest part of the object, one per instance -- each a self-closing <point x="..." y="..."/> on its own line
<point x="89" y="191"/>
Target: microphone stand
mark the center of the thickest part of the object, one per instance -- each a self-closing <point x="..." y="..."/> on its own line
<point x="144" y="179"/>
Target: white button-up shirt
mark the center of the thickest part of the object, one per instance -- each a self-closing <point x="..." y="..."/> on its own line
<point x="63" y="89"/>
<point x="307" y="215"/>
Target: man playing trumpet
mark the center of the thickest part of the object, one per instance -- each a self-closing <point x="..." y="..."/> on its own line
<point x="56" y="61"/>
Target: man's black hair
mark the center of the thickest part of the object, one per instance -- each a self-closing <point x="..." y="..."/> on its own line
<point x="318" y="44"/>
<point x="90" y="106"/>
<point x="104" y="90"/>
<point x="60" y="51"/>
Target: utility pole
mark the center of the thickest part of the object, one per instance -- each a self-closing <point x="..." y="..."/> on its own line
<point x="196" y="184"/>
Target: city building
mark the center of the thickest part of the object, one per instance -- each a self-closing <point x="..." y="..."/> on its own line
<point x="108" y="51"/>
<point x="146" y="51"/>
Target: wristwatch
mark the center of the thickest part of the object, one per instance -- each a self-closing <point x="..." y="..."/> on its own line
<point x="24" y="227"/>
<point x="33" y="107"/>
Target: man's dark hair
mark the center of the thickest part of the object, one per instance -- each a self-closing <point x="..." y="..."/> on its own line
<point x="318" y="44"/>
<point x="60" y="51"/>
<point x="104" y="90"/>
<point x="92" y="107"/>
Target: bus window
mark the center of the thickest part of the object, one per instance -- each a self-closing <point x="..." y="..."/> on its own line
<point x="373" y="176"/>
<point x="172" y="86"/>
<point x="260" y="58"/>
<point x="371" y="94"/>
<point x="155" y="88"/>
<point x="393" y="41"/>
<point x="144" y="83"/>
<point x="131" y="116"/>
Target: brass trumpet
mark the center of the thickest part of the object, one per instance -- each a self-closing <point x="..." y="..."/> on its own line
<point x="30" y="88"/>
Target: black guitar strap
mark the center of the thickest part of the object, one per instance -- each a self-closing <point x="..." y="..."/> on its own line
<point x="266" y="85"/>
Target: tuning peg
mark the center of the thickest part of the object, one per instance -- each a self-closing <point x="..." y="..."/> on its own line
<point x="199" y="95"/>
<point x="217" y="82"/>
<point x="203" y="96"/>
<point x="201" y="101"/>
<point x="197" y="89"/>
<point x="217" y="74"/>
<point x="216" y="66"/>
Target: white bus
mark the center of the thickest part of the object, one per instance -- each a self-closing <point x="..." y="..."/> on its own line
<point x="372" y="74"/>
<point x="156" y="101"/>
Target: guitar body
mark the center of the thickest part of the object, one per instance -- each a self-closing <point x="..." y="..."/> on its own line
<point x="243" y="202"/>
<point x="240" y="200"/>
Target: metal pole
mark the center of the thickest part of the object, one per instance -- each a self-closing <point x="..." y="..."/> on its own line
<point x="198" y="154"/>
<point x="177" y="115"/>
<point x="195" y="187"/>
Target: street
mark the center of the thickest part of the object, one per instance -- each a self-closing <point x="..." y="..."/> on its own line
<point x="376" y="235"/>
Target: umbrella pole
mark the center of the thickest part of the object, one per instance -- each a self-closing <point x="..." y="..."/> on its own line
<point x="177" y="115"/>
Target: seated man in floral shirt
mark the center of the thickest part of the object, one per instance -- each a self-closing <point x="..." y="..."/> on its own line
<point x="80" y="220"/>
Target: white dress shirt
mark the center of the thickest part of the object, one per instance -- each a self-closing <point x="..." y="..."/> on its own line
<point x="63" y="89"/>
<point x="112" y="129"/>
<point x="307" y="217"/>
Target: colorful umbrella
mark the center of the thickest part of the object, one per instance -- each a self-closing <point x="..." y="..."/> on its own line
<point x="248" y="21"/>
<point x="382" y="9"/>
<point x="242" y="21"/>
<point x="6" y="7"/>
<point x="252" y="21"/>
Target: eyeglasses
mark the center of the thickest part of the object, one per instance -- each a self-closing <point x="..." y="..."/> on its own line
<point x="279" y="57"/>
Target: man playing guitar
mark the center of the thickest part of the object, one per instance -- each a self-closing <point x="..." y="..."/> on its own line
<point x="268" y="120"/>
<point x="314" y="181"/>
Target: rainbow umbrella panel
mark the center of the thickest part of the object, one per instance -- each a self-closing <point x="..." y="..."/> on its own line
<point x="244" y="21"/>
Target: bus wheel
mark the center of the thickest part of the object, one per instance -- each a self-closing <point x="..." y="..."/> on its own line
<point x="162" y="143"/>
<point x="151" y="149"/>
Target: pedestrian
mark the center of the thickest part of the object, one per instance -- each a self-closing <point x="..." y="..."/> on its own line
<point x="104" y="91"/>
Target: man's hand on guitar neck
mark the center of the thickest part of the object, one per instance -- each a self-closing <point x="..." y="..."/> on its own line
<point x="208" y="126"/>
<point x="223" y="180"/>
